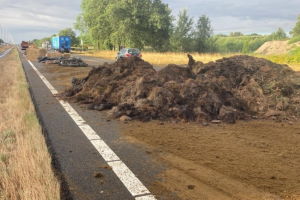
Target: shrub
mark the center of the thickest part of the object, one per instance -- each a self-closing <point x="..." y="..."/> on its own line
<point x="294" y="40"/>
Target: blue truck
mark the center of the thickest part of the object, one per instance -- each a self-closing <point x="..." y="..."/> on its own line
<point x="61" y="43"/>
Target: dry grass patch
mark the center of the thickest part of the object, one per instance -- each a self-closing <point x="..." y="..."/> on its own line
<point x="25" y="165"/>
<point x="4" y="47"/>
<point x="163" y="59"/>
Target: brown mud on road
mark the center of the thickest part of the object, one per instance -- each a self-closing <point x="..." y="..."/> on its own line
<point x="258" y="159"/>
<point x="255" y="158"/>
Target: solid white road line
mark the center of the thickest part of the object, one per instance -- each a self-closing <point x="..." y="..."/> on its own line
<point x="145" y="197"/>
<point x="131" y="182"/>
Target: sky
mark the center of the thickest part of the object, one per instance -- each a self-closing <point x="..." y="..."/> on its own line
<point x="35" y="19"/>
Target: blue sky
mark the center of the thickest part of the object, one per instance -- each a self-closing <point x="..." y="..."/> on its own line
<point x="29" y="19"/>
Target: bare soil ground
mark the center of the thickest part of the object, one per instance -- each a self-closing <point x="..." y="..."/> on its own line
<point x="276" y="47"/>
<point x="248" y="160"/>
<point x="252" y="159"/>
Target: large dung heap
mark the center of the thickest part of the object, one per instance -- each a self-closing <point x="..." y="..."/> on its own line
<point x="239" y="87"/>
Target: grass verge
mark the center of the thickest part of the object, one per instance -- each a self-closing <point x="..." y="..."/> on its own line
<point x="294" y="40"/>
<point x="162" y="59"/>
<point x="292" y="58"/>
<point x="25" y="164"/>
<point x="4" y="47"/>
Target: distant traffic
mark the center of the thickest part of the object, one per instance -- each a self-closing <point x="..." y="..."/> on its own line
<point x="58" y="43"/>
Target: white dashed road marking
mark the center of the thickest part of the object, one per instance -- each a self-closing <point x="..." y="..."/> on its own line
<point x="131" y="182"/>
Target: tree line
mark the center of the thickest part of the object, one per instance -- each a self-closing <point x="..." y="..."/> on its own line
<point x="238" y="42"/>
<point x="110" y="24"/>
<point x="113" y="23"/>
<point x="149" y="25"/>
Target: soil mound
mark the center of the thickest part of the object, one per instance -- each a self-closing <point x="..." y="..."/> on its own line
<point x="276" y="47"/>
<point x="238" y="87"/>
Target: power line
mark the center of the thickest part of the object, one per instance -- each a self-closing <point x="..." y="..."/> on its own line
<point x="5" y="35"/>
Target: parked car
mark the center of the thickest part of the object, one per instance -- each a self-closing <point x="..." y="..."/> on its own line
<point x="127" y="52"/>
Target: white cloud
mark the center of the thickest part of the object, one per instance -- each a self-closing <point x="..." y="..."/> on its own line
<point x="255" y="16"/>
<point x="27" y="20"/>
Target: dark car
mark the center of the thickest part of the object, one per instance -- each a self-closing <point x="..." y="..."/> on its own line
<point x="127" y="52"/>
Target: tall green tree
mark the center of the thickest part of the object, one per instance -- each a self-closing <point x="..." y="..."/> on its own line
<point x="125" y="22"/>
<point x="182" y="37"/>
<point x="204" y="35"/>
<point x="296" y="29"/>
<point x="93" y="22"/>
<point x="278" y="35"/>
<point x="160" y="24"/>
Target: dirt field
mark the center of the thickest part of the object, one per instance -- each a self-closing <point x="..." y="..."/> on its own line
<point x="253" y="159"/>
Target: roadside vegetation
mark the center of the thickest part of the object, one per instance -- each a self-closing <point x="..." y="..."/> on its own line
<point x="162" y="59"/>
<point x="4" y="48"/>
<point x="106" y="26"/>
<point x="292" y="59"/>
<point x="150" y="26"/>
<point x="294" y="40"/>
<point x="246" y="44"/>
<point x="25" y="164"/>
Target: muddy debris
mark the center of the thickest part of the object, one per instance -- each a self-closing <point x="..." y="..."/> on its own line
<point x="107" y="167"/>
<point x="98" y="175"/>
<point x="63" y="61"/>
<point x="191" y="187"/>
<point x="230" y="89"/>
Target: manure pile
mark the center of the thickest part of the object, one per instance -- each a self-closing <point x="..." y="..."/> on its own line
<point x="238" y="87"/>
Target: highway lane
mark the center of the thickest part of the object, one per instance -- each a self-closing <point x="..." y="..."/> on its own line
<point x="94" y="61"/>
<point x="84" y="170"/>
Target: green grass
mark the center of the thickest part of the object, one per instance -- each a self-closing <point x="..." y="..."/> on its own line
<point x="292" y="58"/>
<point x="294" y="40"/>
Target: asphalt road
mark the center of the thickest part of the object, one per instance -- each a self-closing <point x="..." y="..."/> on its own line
<point x="83" y="170"/>
<point x="93" y="61"/>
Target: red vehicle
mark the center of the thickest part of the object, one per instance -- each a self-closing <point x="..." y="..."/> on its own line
<point x="24" y="45"/>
